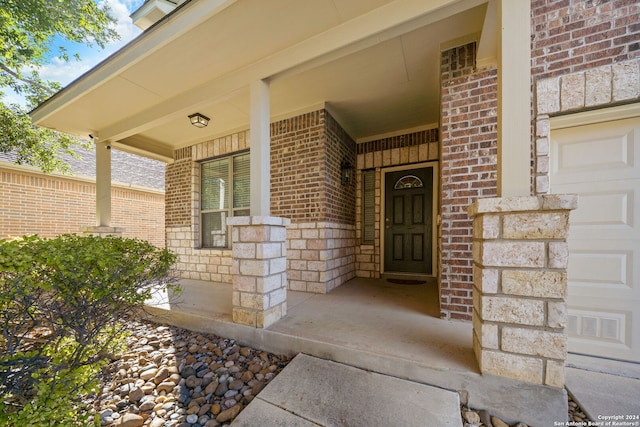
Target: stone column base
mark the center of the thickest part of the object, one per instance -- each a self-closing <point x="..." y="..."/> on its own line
<point x="103" y="231"/>
<point x="520" y="257"/>
<point x="259" y="270"/>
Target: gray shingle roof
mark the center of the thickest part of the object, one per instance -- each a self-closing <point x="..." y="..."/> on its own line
<point x="126" y="168"/>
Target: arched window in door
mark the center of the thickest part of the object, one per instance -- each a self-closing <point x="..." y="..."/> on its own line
<point x="408" y="181"/>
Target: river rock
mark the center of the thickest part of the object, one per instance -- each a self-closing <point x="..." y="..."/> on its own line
<point x="471" y="417"/>
<point x="229" y="414"/>
<point x="165" y="386"/>
<point x="497" y="422"/>
<point x="162" y="374"/>
<point x="148" y="373"/>
<point x="175" y="378"/>
<point x="135" y="395"/>
<point x="129" y="420"/>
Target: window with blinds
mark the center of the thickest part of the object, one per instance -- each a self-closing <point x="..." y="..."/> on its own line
<point x="368" y="206"/>
<point x="224" y="193"/>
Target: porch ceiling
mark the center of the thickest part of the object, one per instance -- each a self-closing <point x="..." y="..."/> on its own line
<point x="373" y="63"/>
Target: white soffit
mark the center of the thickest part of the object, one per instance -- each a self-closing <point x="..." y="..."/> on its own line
<point x="375" y="62"/>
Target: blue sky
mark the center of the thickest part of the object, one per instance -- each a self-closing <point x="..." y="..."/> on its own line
<point x="57" y="70"/>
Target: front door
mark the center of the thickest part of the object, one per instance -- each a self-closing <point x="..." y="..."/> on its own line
<point x="408" y="221"/>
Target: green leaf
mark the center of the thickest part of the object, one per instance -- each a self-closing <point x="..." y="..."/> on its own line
<point x="56" y="291"/>
<point x="27" y="28"/>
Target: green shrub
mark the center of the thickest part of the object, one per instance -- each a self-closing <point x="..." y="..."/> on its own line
<point x="62" y="302"/>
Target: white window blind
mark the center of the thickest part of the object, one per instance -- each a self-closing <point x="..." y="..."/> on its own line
<point x="224" y="193"/>
<point x="241" y="186"/>
<point x="368" y="206"/>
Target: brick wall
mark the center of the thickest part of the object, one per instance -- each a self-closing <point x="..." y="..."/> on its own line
<point x="178" y="188"/>
<point x="306" y="154"/>
<point x="198" y="264"/>
<point x="320" y="256"/>
<point x="183" y="209"/>
<point x="575" y="35"/>
<point x="50" y="205"/>
<point x="339" y="200"/>
<point x="298" y="167"/>
<point x="398" y="150"/>
<point x="468" y="169"/>
<point x="579" y="47"/>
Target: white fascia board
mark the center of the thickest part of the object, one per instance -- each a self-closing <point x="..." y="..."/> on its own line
<point x="362" y="31"/>
<point x="152" y="40"/>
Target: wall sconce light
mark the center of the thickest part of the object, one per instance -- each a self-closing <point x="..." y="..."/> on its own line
<point x="346" y="172"/>
<point x="198" y="120"/>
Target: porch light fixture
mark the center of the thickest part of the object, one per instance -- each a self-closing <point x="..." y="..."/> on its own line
<point x="198" y="120"/>
<point x="346" y="172"/>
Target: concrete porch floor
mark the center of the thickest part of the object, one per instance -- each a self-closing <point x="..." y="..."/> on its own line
<point x="374" y="325"/>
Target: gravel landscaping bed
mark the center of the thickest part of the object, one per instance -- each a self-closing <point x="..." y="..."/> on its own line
<point x="482" y="418"/>
<point x="174" y="377"/>
<point x="171" y="377"/>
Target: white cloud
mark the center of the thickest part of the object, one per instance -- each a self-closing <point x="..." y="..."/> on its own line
<point x="65" y="72"/>
<point x="121" y="9"/>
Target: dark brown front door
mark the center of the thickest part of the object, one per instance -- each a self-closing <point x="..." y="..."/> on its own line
<point x="408" y="221"/>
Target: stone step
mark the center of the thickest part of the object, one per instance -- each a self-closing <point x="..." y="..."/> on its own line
<point x="317" y="392"/>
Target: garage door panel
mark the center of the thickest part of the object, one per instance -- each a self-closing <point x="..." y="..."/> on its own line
<point x="601" y="163"/>
<point x="605" y="209"/>
<point x="608" y="151"/>
<point x="609" y="269"/>
<point x="595" y="154"/>
<point x="601" y="330"/>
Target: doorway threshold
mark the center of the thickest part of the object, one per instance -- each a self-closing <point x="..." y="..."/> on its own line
<point x="409" y="276"/>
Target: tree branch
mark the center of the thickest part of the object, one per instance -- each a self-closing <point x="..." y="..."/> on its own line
<point x="25" y="80"/>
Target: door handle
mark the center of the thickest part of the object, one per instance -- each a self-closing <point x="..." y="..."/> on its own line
<point x="387" y="223"/>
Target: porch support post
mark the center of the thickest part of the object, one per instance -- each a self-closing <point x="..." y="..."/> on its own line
<point x="259" y="270"/>
<point x="259" y="265"/>
<point x="260" y="139"/>
<point x="103" y="184"/>
<point x="520" y="256"/>
<point x="103" y="193"/>
<point x="514" y="98"/>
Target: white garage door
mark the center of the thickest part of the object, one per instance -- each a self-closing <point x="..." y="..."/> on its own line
<point x="601" y="163"/>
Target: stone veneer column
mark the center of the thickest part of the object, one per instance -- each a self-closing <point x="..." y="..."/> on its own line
<point x="520" y="257"/>
<point x="259" y="269"/>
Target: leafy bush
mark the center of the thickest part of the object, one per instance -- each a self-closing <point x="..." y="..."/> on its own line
<point x="62" y="302"/>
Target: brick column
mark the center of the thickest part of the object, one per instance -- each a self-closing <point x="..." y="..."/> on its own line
<point x="259" y="270"/>
<point x="520" y="257"/>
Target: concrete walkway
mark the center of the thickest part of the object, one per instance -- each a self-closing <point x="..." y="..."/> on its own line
<point x="376" y="326"/>
<point x="605" y="388"/>
<point x="313" y="392"/>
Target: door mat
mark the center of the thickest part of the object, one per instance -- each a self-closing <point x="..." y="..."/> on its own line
<point x="406" y="281"/>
